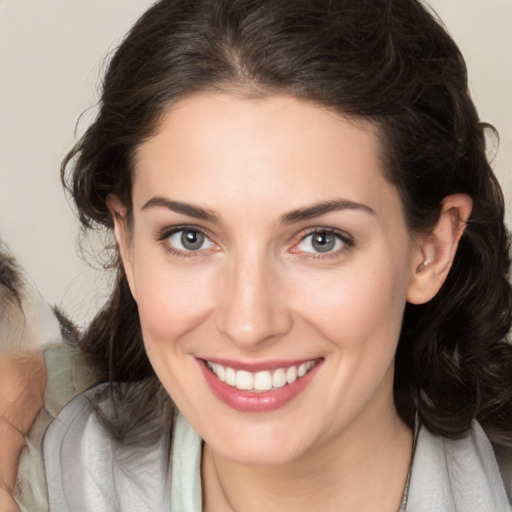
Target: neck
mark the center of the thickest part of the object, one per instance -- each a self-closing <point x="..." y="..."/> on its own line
<point x="357" y="470"/>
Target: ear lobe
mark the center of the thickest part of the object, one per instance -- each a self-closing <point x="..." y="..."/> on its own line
<point x="122" y="234"/>
<point x="436" y="251"/>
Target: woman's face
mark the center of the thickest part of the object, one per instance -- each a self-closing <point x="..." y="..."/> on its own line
<point x="266" y="243"/>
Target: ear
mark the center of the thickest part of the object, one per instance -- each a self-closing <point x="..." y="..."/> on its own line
<point x="122" y="232"/>
<point x="434" y="253"/>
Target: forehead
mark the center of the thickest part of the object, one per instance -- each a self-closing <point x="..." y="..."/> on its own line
<point x="221" y="148"/>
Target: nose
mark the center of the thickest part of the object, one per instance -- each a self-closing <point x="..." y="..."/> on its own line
<point x="252" y="308"/>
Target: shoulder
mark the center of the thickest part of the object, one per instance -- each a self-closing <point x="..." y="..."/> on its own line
<point x="78" y="457"/>
<point x="504" y="459"/>
<point x="456" y="474"/>
<point x="88" y="470"/>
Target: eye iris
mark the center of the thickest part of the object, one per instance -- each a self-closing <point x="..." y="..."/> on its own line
<point x="192" y="240"/>
<point x="323" y="242"/>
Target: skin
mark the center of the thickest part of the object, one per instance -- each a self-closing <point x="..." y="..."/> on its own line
<point x="22" y="382"/>
<point x="257" y="291"/>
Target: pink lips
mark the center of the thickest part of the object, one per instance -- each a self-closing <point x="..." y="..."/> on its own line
<point x="250" y="401"/>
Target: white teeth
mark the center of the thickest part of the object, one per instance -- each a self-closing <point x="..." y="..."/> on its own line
<point x="221" y="373"/>
<point x="244" y="380"/>
<point x="291" y="374"/>
<point x="260" y="381"/>
<point x="279" y="378"/>
<point x="230" y="376"/>
<point x="263" y="381"/>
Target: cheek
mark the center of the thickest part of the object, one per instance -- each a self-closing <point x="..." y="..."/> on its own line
<point x="171" y="301"/>
<point x="357" y="303"/>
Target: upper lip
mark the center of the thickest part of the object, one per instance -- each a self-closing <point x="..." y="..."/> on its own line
<point x="258" y="366"/>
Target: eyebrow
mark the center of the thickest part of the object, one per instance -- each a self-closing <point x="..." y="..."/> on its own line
<point x="179" y="207"/>
<point x="317" y="210"/>
<point x="299" y="215"/>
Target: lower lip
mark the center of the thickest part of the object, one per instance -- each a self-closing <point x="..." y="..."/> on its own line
<point x="253" y="401"/>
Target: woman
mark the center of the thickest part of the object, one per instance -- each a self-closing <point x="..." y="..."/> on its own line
<point x="312" y="266"/>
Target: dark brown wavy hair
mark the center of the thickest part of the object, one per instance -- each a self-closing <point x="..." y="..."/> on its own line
<point x="388" y="61"/>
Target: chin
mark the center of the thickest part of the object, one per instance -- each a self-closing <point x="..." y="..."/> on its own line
<point x="258" y="446"/>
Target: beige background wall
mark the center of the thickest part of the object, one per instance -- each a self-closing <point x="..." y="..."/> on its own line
<point x="51" y="53"/>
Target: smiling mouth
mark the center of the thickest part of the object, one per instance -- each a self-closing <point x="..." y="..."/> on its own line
<point x="260" y="381"/>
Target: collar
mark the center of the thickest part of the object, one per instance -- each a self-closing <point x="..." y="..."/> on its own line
<point x="450" y="475"/>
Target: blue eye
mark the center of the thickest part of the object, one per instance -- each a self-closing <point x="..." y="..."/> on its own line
<point x="189" y="240"/>
<point x="321" y="242"/>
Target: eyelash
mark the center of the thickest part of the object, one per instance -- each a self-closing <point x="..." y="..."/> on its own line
<point x="346" y="240"/>
<point x="165" y="234"/>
